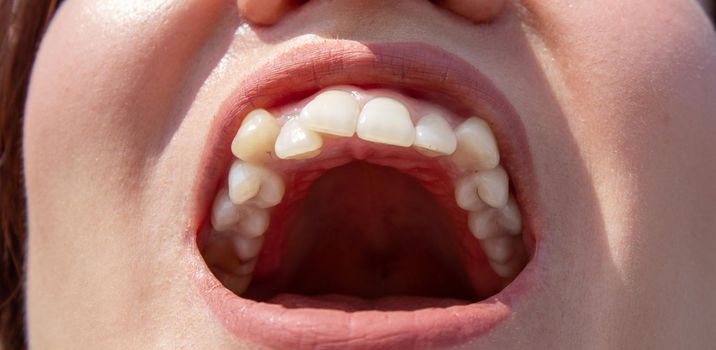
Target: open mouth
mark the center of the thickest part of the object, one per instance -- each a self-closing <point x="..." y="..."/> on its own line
<point x="378" y="193"/>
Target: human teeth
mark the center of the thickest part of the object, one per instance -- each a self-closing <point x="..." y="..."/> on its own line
<point x="476" y="145"/>
<point x="332" y="112"/>
<point x="466" y="193"/>
<point x="237" y="284"/>
<point x="253" y="223"/>
<point x="244" y="181"/>
<point x="482" y="224"/>
<point x="247" y="248"/>
<point x="294" y="141"/>
<point x="224" y="213"/>
<point x="499" y="249"/>
<point x="434" y="134"/>
<point x="503" y="270"/>
<point x="510" y="218"/>
<point x="271" y="190"/>
<point x="492" y="186"/>
<point x="385" y="120"/>
<point x="247" y="268"/>
<point x="255" y="138"/>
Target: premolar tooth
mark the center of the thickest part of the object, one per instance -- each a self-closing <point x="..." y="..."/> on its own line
<point x="466" y="193"/>
<point x="476" y="145"/>
<point x="247" y="268"/>
<point x="255" y="138"/>
<point x="499" y="249"/>
<point x="385" y="120"/>
<point x="434" y="135"/>
<point x="247" y="248"/>
<point x="271" y="190"/>
<point x="492" y="186"/>
<point x="253" y="223"/>
<point x="244" y="181"/>
<point x="482" y="224"/>
<point x="332" y="112"/>
<point x="294" y="141"/>
<point x="510" y="218"/>
<point x="237" y="284"/>
<point x="224" y="213"/>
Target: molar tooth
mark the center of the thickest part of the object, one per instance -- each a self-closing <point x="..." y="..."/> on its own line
<point x="476" y="145"/>
<point x="510" y="218"/>
<point x="492" y="186"/>
<point x="253" y="223"/>
<point x="434" y="136"/>
<point x="237" y="284"/>
<point x="247" y="248"/>
<point x="244" y="181"/>
<point x="499" y="249"/>
<point x="332" y="112"/>
<point x="294" y="141"/>
<point x="482" y="224"/>
<point x="255" y="138"/>
<point x="503" y="270"/>
<point x="466" y="193"/>
<point x="386" y="120"/>
<point x="224" y="213"/>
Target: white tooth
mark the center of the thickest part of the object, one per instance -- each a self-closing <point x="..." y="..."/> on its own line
<point x="247" y="268"/>
<point x="385" y="120"/>
<point x="466" y="193"/>
<point x="253" y="223"/>
<point x="332" y="112"/>
<point x="482" y="224"/>
<point x="247" y="248"/>
<point x="296" y="142"/>
<point x="503" y="270"/>
<point x="476" y="145"/>
<point x="499" y="249"/>
<point x="510" y="218"/>
<point x="224" y="213"/>
<point x="255" y="138"/>
<point x="244" y="181"/>
<point x="271" y="190"/>
<point x="492" y="187"/>
<point x="434" y="134"/>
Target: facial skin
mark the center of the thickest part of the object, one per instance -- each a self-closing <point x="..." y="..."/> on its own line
<point x="616" y="98"/>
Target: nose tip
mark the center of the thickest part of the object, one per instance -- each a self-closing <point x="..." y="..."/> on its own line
<point x="479" y="11"/>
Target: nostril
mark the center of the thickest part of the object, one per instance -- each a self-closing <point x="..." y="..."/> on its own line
<point x="479" y="11"/>
<point x="265" y="12"/>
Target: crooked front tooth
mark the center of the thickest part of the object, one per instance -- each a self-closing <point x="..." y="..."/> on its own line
<point x="247" y="248"/>
<point x="492" y="186"/>
<point x="294" y="141"/>
<point x="386" y="120"/>
<point x="332" y="112"/>
<point x="244" y="181"/>
<point x="255" y="138"/>
<point x="476" y="145"/>
<point x="434" y="136"/>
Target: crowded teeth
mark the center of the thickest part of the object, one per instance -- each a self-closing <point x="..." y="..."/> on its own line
<point x="386" y="120"/>
<point x="247" y="248"/>
<point x="482" y="224"/>
<point x="332" y="112"/>
<point x="476" y="145"/>
<point x="255" y="138"/>
<point x="244" y="181"/>
<point x="253" y="223"/>
<point x="294" y="141"/>
<point x="434" y="136"/>
<point x="224" y="213"/>
<point x="492" y="186"/>
<point x="466" y="194"/>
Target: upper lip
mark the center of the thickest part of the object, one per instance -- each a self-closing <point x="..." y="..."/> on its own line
<point x="420" y="69"/>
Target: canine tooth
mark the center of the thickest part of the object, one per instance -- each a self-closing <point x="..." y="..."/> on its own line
<point x="476" y="145"/>
<point x="244" y="181"/>
<point x="224" y="213"/>
<point x="492" y="187"/>
<point x="482" y="224"/>
<point x="466" y="193"/>
<point x="332" y="112"/>
<point x="294" y="141"/>
<point x="385" y="120"/>
<point x="499" y="249"/>
<point x="247" y="248"/>
<point x="253" y="223"/>
<point x="510" y="218"/>
<point x="434" y="135"/>
<point x="255" y="138"/>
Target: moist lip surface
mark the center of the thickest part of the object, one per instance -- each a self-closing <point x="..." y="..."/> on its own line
<point x="427" y="72"/>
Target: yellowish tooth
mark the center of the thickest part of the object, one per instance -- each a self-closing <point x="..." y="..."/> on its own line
<point x="482" y="224"/>
<point x="247" y="248"/>
<point x="492" y="186"/>
<point x="499" y="249"/>
<point x="296" y="142"/>
<point x="255" y="138"/>
<point x="476" y="145"/>
<point x="510" y="218"/>
<point x="434" y="135"/>
<point x="235" y="283"/>
<point x="331" y="112"/>
<point x="504" y="270"/>
<point x="224" y="213"/>
<point x="466" y="193"/>
<point x="253" y="223"/>
<point x="386" y="120"/>
<point x="244" y="181"/>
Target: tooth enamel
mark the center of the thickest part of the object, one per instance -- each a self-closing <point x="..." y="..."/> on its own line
<point x="296" y="142"/>
<point x="332" y="112"/>
<point x="255" y="138"/>
<point x="482" y="224"/>
<point x="247" y="248"/>
<point x="253" y="223"/>
<point x="476" y="145"/>
<point x="510" y="218"/>
<point x="492" y="187"/>
<point x="466" y="193"/>
<point x="244" y="181"/>
<point x="503" y="270"/>
<point x="271" y="190"/>
<point x="434" y="134"/>
<point x="224" y="213"/>
<point x="385" y="120"/>
<point x="247" y="268"/>
<point x="499" y="249"/>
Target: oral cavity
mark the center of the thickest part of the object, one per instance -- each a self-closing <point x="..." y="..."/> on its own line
<point x="320" y="129"/>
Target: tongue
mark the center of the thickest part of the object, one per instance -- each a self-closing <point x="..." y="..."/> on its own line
<point x="371" y="231"/>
